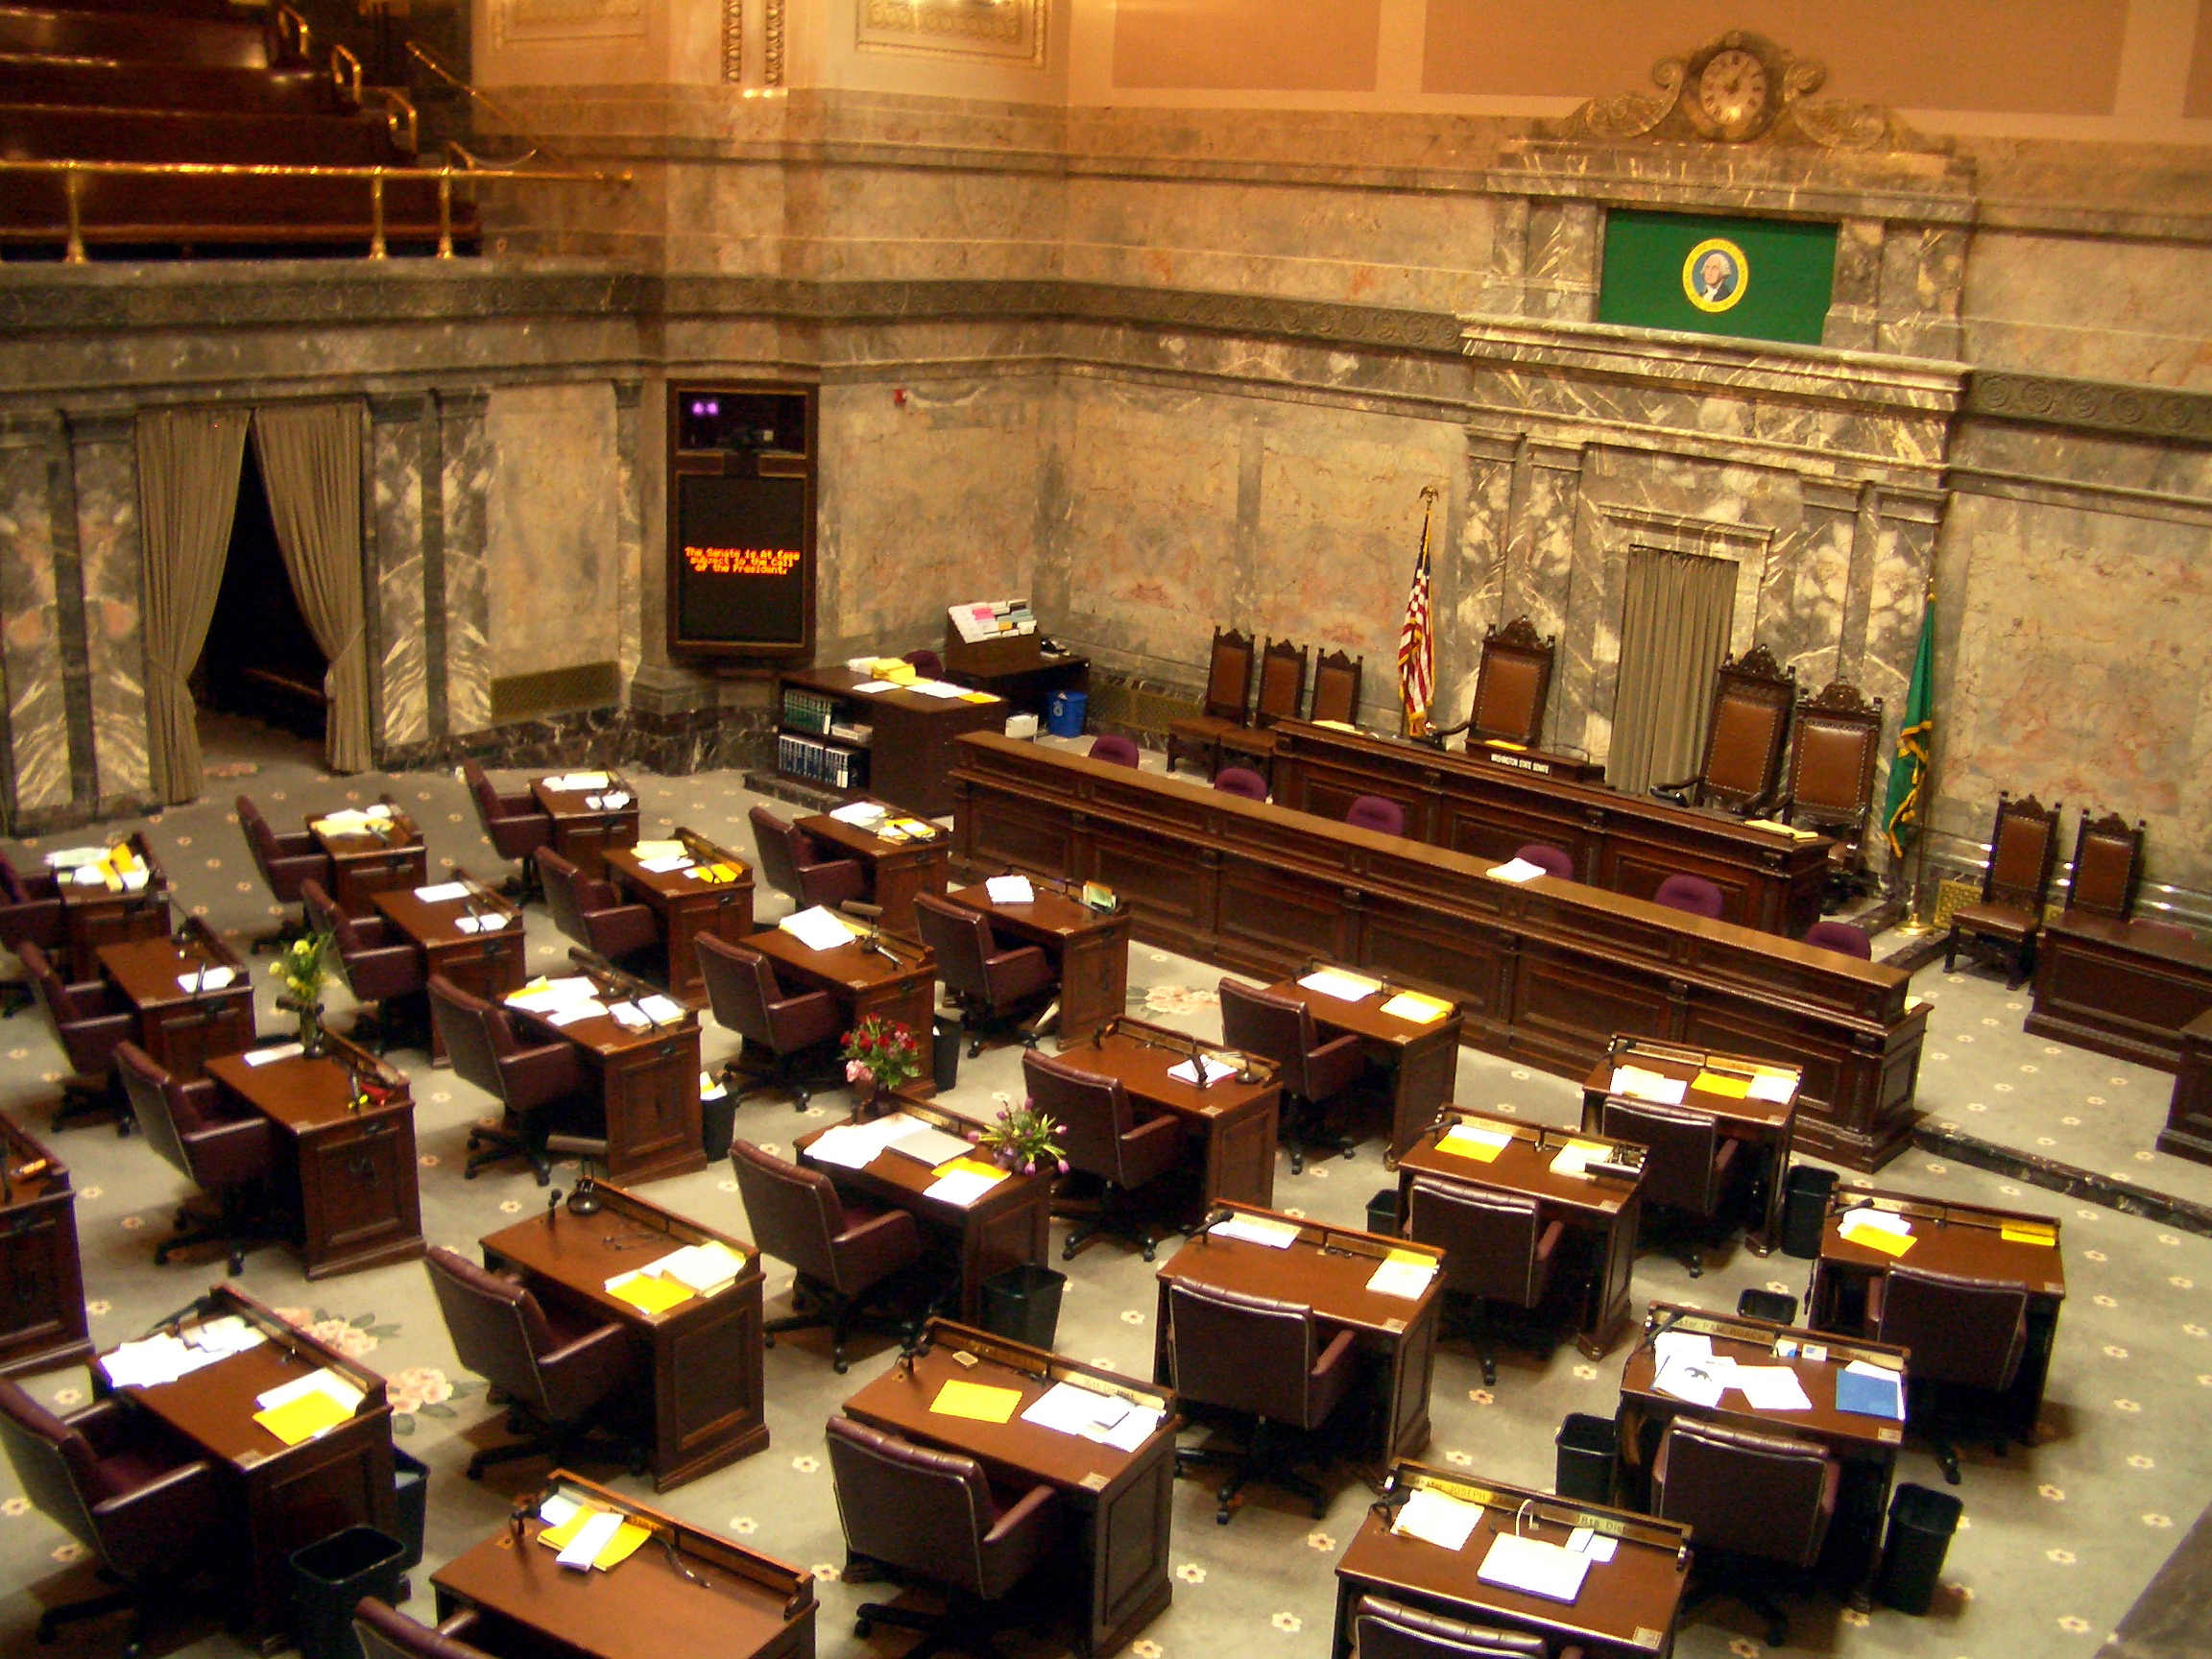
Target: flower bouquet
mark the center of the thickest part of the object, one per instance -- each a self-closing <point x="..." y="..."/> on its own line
<point x="305" y="967"/>
<point x="879" y="1056"/>
<point x="1022" y="1140"/>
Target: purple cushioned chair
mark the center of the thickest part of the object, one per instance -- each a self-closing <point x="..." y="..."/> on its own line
<point x="1841" y="937"/>
<point x="1552" y="860"/>
<point x="1240" y="780"/>
<point x="1372" y="812"/>
<point x="1113" y="747"/>
<point x="1690" y="893"/>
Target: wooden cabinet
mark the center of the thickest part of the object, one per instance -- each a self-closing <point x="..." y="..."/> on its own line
<point x="41" y="1284"/>
<point x="651" y="1088"/>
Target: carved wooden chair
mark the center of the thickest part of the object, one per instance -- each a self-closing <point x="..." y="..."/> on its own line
<point x="2107" y="867"/>
<point x="1511" y="687"/>
<point x="1835" y="745"/>
<point x="1746" y="734"/>
<point x="2023" y="848"/>
<point x="1282" y="695"/>
<point x="1227" y="698"/>
<point x="1336" y="678"/>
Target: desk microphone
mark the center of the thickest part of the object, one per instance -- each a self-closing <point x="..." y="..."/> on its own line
<point x="552" y="1206"/>
<point x="914" y="1350"/>
<point x="1211" y="1219"/>
<point x="1654" y="1328"/>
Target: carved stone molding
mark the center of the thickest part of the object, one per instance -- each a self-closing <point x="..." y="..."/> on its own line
<point x="1002" y="31"/>
<point x="2098" y="405"/>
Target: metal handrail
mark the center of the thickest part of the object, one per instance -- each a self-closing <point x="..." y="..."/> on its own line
<point x="424" y="56"/>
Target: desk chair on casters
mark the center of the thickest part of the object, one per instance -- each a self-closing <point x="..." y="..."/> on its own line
<point x="793" y="864"/>
<point x="1385" y="1629"/>
<point x="1497" y="1248"/>
<point x="284" y="861"/>
<point x="29" y="913"/>
<point x="517" y="827"/>
<point x="1689" y="1167"/>
<point x="585" y="909"/>
<point x="381" y="965"/>
<point x="231" y="1159"/>
<point x="1313" y="1073"/>
<point x="1967" y="1337"/>
<point x="532" y="1083"/>
<point x="935" y="1516"/>
<point x="796" y="1031"/>
<point x="996" y="989"/>
<point x="90" y="1021"/>
<point x="1754" y="1500"/>
<point x="1101" y="1137"/>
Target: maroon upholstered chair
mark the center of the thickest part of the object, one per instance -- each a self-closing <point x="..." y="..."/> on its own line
<point x="1749" y="1497"/>
<point x="516" y="825"/>
<point x="1112" y="747"/>
<point x="794" y="865"/>
<point x="1374" y="812"/>
<point x="1497" y="1248"/>
<point x="1101" y="1135"/>
<point x="29" y="913"/>
<point x="1835" y="745"/>
<point x="285" y="861"/>
<point x="1313" y="1073"/>
<point x="230" y="1157"/>
<point x="996" y="989"/>
<point x="90" y="1020"/>
<point x="586" y="909"/>
<point x="562" y="1371"/>
<point x="1841" y="937"/>
<point x="1689" y="1165"/>
<point x="1551" y="860"/>
<point x="1967" y="1337"/>
<point x="1228" y="702"/>
<point x="1692" y="895"/>
<point x="537" y="1084"/>
<point x="845" y="1255"/>
<point x="926" y="663"/>
<point x="386" y="1633"/>
<point x="1386" y="1630"/>
<point x="2015" y="887"/>
<point x="786" y="1035"/>
<point x="1240" y="780"/>
<point x="383" y="967"/>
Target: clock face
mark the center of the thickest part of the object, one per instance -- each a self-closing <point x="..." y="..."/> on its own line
<point x="1732" y="88"/>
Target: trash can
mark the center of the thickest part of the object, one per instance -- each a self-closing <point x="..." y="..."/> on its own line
<point x="411" y="1491"/>
<point x="1588" y="1450"/>
<point x="329" y="1576"/>
<point x="1805" y="1210"/>
<point x="1064" y="715"/>
<point x="1023" y="1304"/>
<point x="945" y="1035"/>
<point x="1921" y="1522"/>
<point x="1383" y="1212"/>
<point x="717" y="1122"/>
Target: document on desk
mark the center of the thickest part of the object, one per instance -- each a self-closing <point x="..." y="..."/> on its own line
<point x="1344" y="987"/>
<point x="1107" y="1419"/>
<point x="442" y="892"/>
<point x="307" y="1406"/>
<point x="1188" y="1072"/>
<point x="1257" y="1230"/>
<point x="665" y="866"/>
<point x="1777" y="1087"/>
<point x="645" y="850"/>
<point x="1700" y="1382"/>
<point x="1474" y="1141"/>
<point x="963" y="1181"/>
<point x="1437" y="1518"/>
<point x="1727" y="1085"/>
<point x="1416" y="1009"/>
<point x="1879" y="1230"/>
<point x="705" y="1268"/>
<point x="1870" y="1391"/>
<point x="229" y="1335"/>
<point x="1551" y="1570"/>
<point x="978" y="1402"/>
<point x="569" y="783"/>
<point x="648" y="1292"/>
<point x="1670" y="1346"/>
<point x="1638" y="1083"/>
<point x="2024" y="1232"/>
<point x="1771" y="1389"/>
<point x="267" y="1056"/>
<point x="1010" y="890"/>
<point x="932" y="1146"/>
<point x="486" y="922"/>
<point x="590" y="1537"/>
<point x="1516" y="870"/>
<point x="549" y="996"/>
<point x="817" y="928"/>
<point x="213" y="978"/>
<point x="163" y="1357"/>
<point x="861" y="814"/>
<point x="1402" y="1273"/>
<point x="1576" y="1156"/>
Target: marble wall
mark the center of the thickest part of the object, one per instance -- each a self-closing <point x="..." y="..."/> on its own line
<point x="551" y="559"/>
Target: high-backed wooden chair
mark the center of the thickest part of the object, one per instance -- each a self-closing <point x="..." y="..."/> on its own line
<point x="2017" y="885"/>
<point x="2107" y="867"/>
<point x="1282" y="695"/>
<point x="1336" y="678"/>
<point x="1511" y="687"/>
<point x="1228" y="700"/>
<point x="1835" y="745"/>
<point x="1747" y="734"/>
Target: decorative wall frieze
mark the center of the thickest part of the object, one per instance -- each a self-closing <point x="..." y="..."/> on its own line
<point x="2093" y="405"/>
<point x="996" y="31"/>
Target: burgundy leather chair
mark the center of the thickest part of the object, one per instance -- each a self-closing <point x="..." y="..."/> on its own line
<point x="1967" y="1337"/>
<point x="1691" y="895"/>
<point x="2015" y="887"/>
<point x="933" y="1515"/>
<point x="29" y="913"/>
<point x="1749" y="1497"/>
<point x="1687" y="1167"/>
<point x="386" y="1633"/>
<point x="284" y="861"/>
<point x="788" y="1036"/>
<point x="1842" y="938"/>
<point x="90" y="1021"/>
<point x="1374" y="812"/>
<point x="230" y="1157"/>
<point x="1386" y="1630"/>
<point x="794" y="864"/>
<point x="996" y="989"/>
<point x="1112" y="746"/>
<point x="120" y="1483"/>
<point x="1497" y="1248"/>
<point x="1240" y="780"/>
<point x="561" y="1373"/>
<point x="1551" y="860"/>
<point x="1267" y="1360"/>
<point x="586" y="909"/>
<point x="382" y="966"/>
<point x="1313" y="1073"/>
<point x="845" y="1255"/>
<point x="516" y="825"/>
<point x="538" y="1084"/>
<point x="1100" y="1137"/>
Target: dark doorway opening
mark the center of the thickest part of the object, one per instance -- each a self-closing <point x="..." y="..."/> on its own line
<point x="260" y="659"/>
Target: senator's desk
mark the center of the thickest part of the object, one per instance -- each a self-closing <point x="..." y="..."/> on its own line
<point x="365" y="862"/>
<point x="1326" y="1269"/>
<point x="689" y="908"/>
<point x="722" y="1601"/>
<point x="1627" y="1606"/>
<point x="2188" y="1131"/>
<point x="1115" y="1556"/>
<point x="1966" y="1239"/>
<point x="1008" y="1226"/>
<point x="911" y="737"/>
<point x="1865" y="1446"/>
<point x="1088" y="949"/>
<point x="486" y="965"/>
<point x="582" y="833"/>
<point x="701" y="1404"/>
<point x="95" y="916"/>
<point x="42" y="1311"/>
<point x="1765" y="1128"/>
<point x="1627" y="844"/>
<point x="1231" y="1124"/>
<point x="181" y="1029"/>
<point x="2119" y="988"/>
<point x="896" y="870"/>
<point x="866" y="985"/>
<point x="275" y="1499"/>
<point x="1546" y="972"/>
<point x="1601" y="1210"/>
<point x="1423" y="1059"/>
<point x="347" y="1175"/>
<point x="648" y="1088"/>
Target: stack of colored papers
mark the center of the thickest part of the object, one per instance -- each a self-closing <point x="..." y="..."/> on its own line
<point x="1474" y="1141"/>
<point x="963" y="1181"/>
<point x="648" y="1292"/>
<point x="1257" y="1230"/>
<point x="978" y="1401"/>
<point x="1870" y="1391"/>
<point x="1420" y="1010"/>
<point x="1879" y="1230"/>
<point x="307" y="1406"/>
<point x="587" y="1535"/>
<point x="1639" y="1083"/>
<point x="854" y="1145"/>
<point x="1402" y="1273"/>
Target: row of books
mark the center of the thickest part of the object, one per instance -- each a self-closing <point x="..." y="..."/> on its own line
<point x="818" y="763"/>
<point x="809" y="711"/>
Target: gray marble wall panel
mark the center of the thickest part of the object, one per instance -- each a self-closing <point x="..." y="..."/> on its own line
<point x="551" y="550"/>
<point x="1854" y="306"/>
<point x="628" y="525"/>
<point x="465" y="482"/>
<point x="106" y="460"/>
<point x="396" y="555"/>
<point x="34" y="460"/>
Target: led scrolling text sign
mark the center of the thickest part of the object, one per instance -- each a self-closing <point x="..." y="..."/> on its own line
<point x="742" y="561"/>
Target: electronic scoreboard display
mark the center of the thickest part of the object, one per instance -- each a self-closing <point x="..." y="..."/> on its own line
<point x="741" y="488"/>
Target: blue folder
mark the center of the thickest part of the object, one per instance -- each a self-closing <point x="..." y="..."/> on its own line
<point x="1869" y="1396"/>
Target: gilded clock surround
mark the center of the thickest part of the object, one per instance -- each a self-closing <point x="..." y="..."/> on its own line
<point x="1737" y="88"/>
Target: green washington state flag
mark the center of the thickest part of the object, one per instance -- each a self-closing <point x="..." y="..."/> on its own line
<point x="1753" y="279"/>
<point x="1906" y="808"/>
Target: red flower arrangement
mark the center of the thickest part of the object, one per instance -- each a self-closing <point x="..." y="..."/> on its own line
<point x="881" y="1054"/>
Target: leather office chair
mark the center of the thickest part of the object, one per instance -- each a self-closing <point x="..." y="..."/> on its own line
<point x="996" y="989"/>
<point x="124" y="1486"/>
<point x="1386" y="1630"/>
<point x="2015" y="887"/>
<point x="585" y="908"/>
<point x="1112" y="747"/>
<point x="1745" y="730"/>
<point x="90" y="1020"/>
<point x="1313" y="1073"/>
<point x="1228" y="700"/>
<point x="1266" y="1359"/>
<point x="516" y="825"/>
<point x="797" y="1031"/>
<point x="1282" y="690"/>
<point x="1101" y="1135"/>
<point x="925" y="662"/>
<point x="386" y="1633"/>
<point x="1336" y="676"/>
<point x="2107" y="868"/>
<point x="563" y="1374"/>
<point x="382" y="966"/>
<point x="1842" y="938"/>
<point x="29" y="913"/>
<point x="1835" y="745"/>
<point x="1689" y="1165"/>
<point x="284" y="861"/>
<point x="1551" y="860"/>
<point x="1497" y="1248"/>
<point x="845" y="1255"/>
<point x="1240" y="780"/>
<point x="230" y="1157"/>
<point x="1749" y="1497"/>
<point x="537" y="1084"/>
<point x="1692" y="895"/>
<point x="935" y="1516"/>
<point x="1967" y="1337"/>
<point x="794" y="865"/>
<point x="1374" y="812"/>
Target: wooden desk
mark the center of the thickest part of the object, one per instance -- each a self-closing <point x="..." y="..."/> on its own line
<point x="1089" y="949"/>
<point x="2188" y="1131"/>
<point x="367" y="862"/>
<point x="1484" y="806"/>
<point x="1116" y="1554"/>
<point x="1867" y="1447"/>
<point x="1627" y="1606"/>
<point x="95" y="916"/>
<point x="1546" y="972"/>
<point x="1233" y="1123"/>
<point x="1423" y="1059"/>
<point x="1765" y="1127"/>
<point x="729" y="1602"/>
<point x="486" y="965"/>
<point x="1015" y="668"/>
<point x="865" y="984"/>
<point x="910" y="755"/>
<point x="1326" y="1269"/>
<point x="896" y="870"/>
<point x="702" y="1357"/>
<point x="583" y="833"/>
<point x="42" y="1313"/>
<point x="276" y="1497"/>
<point x="648" y="1085"/>
<point x="1009" y="1225"/>
<point x="1601" y="1210"/>
<point x="179" y="1029"/>
<point x="2119" y="988"/>
<point x="348" y="1176"/>
<point x="689" y="908"/>
<point x="1961" y="1239"/>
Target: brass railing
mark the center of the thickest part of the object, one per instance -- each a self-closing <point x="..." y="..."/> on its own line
<point x="538" y="146"/>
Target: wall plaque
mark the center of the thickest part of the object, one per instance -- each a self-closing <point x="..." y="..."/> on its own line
<point x="528" y="22"/>
<point x="1005" y="31"/>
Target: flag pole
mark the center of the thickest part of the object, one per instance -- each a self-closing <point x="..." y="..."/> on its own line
<point x="1419" y="637"/>
<point x="1919" y="719"/>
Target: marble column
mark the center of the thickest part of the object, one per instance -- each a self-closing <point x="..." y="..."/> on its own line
<point x="400" y="690"/>
<point x="33" y="474"/>
<point x="104" y="457"/>
<point x="629" y="528"/>
<point x="464" y="463"/>
<point x="1855" y="302"/>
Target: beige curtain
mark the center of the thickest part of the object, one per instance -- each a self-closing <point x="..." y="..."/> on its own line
<point x="310" y="457"/>
<point x="1674" y="629"/>
<point x="188" y="461"/>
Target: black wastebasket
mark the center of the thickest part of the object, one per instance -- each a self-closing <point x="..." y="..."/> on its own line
<point x="1023" y="1304"/>
<point x="1805" y="1210"/>
<point x="1383" y="1212"/>
<point x="1921" y="1522"/>
<point x="717" y="1122"/>
<point x="329" y="1576"/>
<point x="1588" y="1449"/>
<point x="411" y="1491"/>
<point x="944" y="1050"/>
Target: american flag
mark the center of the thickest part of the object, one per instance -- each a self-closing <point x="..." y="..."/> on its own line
<point x="1417" y="644"/>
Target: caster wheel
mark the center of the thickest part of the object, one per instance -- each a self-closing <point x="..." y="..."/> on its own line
<point x="544" y="1177"/>
<point x="474" y="1473"/>
<point x="1351" y="1153"/>
<point x="767" y="1341"/>
<point x="1297" y="1163"/>
<point x="862" y="1626"/>
<point x="1150" y="1252"/>
<point x="468" y="1174"/>
<point x="839" y="1366"/>
<point x="1068" y="1252"/>
<point x="1222" y="1518"/>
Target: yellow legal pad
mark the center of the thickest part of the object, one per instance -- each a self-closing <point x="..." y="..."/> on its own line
<point x="1875" y="1238"/>
<point x="2013" y="1234"/>
<point x="305" y="1417"/>
<point x="969" y="1166"/>
<point x="650" y="1292"/>
<point x="1721" y="1083"/>
<point x="1412" y="1006"/>
<point x="613" y="1553"/>
<point x="978" y="1401"/>
<point x="1463" y="1142"/>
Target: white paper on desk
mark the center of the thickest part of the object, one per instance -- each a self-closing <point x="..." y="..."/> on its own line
<point x="1517" y="870"/>
<point x="854" y="1145"/>
<point x="1072" y="1409"/>
<point x="1702" y="1382"/>
<point x="1771" y="1389"/>
<point x="1130" y="1432"/>
<point x="665" y="866"/>
<point x="324" y="1381"/>
<point x="1010" y="890"/>
<point x="1257" y="1230"/>
<point x="568" y="1013"/>
<point x="570" y="781"/>
<point x="1640" y="1084"/>
<point x="263" y="1056"/>
<point x="442" y="891"/>
<point x="229" y="1335"/>
<point x="1407" y="1279"/>
<point x="701" y="1267"/>
<point x="1766" y="1085"/>
<point x="213" y="979"/>
<point x="154" y="1360"/>
<point x="628" y="1015"/>
<point x="659" y="1009"/>
<point x="1874" y="1222"/>
<point x="1574" y="1160"/>
<point x="861" y="814"/>
<point x="554" y="993"/>
<point x="74" y="857"/>
<point x="1344" y="987"/>
<point x="662" y="848"/>
<point x="875" y="685"/>
<point x="1589" y="1541"/>
<point x="488" y="922"/>
<point x="590" y="1538"/>
<point x="615" y="802"/>
<point x="556" y="1508"/>
<point x="817" y="928"/>
<point x="1437" y="1518"/>
<point x="963" y="1187"/>
<point x="1188" y="1072"/>
<point x="930" y="1146"/>
<point x="1684" y="1345"/>
<point x="135" y="880"/>
<point x="1551" y="1570"/>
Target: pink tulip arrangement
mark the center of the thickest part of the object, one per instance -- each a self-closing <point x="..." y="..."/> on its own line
<point x="1022" y="1140"/>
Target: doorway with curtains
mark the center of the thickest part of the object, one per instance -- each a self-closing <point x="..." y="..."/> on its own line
<point x="1676" y="612"/>
<point x="260" y="659"/>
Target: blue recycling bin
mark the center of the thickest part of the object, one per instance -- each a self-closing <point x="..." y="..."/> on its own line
<point x="1064" y="715"/>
